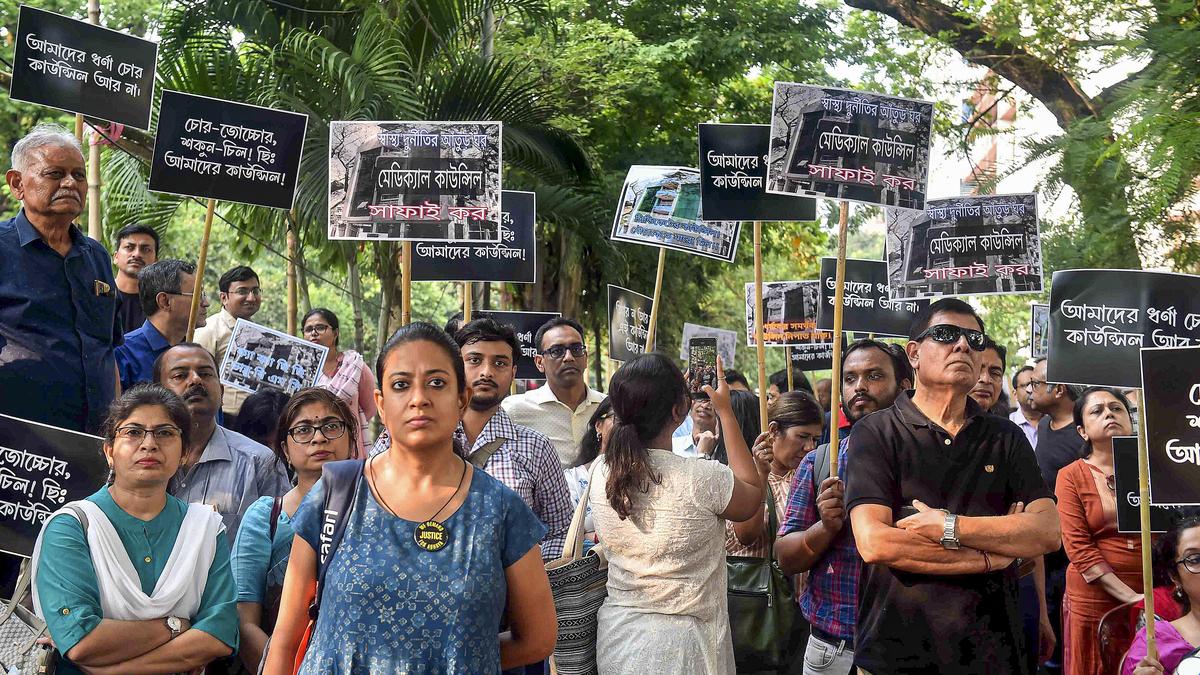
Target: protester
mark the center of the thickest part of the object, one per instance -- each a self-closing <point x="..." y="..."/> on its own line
<point x="778" y="384"/>
<point x="736" y="380"/>
<point x="345" y="373"/>
<point x="260" y="416"/>
<point x="592" y="446"/>
<point x="823" y="390"/>
<point x="221" y="468"/>
<point x="136" y="246"/>
<point x="515" y="455"/>
<point x="315" y="427"/>
<point x="661" y="518"/>
<point x="939" y="592"/>
<point x="561" y="409"/>
<point x="1025" y="416"/>
<point x="57" y="303"/>
<point x="701" y="442"/>
<point x="1176" y="561"/>
<point x="241" y="298"/>
<point x="1106" y="566"/>
<point x="815" y="536"/>
<point x="412" y="609"/>
<point x="142" y="583"/>
<point x="166" y="289"/>
<point x="990" y="384"/>
<point x="1058" y="441"/>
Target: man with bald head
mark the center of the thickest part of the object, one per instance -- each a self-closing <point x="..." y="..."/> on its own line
<point x="221" y="468"/>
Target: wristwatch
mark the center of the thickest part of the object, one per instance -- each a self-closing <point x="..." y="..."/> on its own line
<point x="175" y="625"/>
<point x="950" y="532"/>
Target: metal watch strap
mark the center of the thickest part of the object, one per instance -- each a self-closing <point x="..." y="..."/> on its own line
<point x="950" y="532"/>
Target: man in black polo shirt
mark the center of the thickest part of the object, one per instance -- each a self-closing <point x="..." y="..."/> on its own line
<point x="939" y="592"/>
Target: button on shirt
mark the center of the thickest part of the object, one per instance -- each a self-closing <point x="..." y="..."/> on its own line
<point x="528" y="465"/>
<point x="232" y="473"/>
<point x="214" y="336"/>
<point x="135" y="358"/>
<point x="57" y="328"/>
<point x="541" y="411"/>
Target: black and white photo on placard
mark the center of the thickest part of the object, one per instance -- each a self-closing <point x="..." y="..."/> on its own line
<point x="789" y="314"/>
<point x="260" y="357"/>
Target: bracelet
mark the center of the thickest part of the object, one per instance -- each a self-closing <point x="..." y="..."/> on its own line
<point x="987" y="560"/>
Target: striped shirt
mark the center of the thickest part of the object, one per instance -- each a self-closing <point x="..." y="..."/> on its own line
<point x="780" y="486"/>
<point x="541" y="411"/>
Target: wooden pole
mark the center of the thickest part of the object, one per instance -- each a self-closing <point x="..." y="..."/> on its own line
<point x="658" y="276"/>
<point x="1144" y="512"/>
<point x="406" y="284"/>
<point x="787" y="357"/>
<point x="466" y="293"/>
<point x="198" y="287"/>
<point x="758" y="327"/>
<point x="292" y="288"/>
<point x="835" y="378"/>
<point x="79" y="128"/>
<point x="95" y="226"/>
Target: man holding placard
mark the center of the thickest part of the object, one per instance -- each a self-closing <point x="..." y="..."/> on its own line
<point x="943" y="498"/>
<point x="241" y="297"/>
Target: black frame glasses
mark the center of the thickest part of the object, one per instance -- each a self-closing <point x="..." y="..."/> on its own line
<point x="1190" y="563"/>
<point x="137" y="433"/>
<point x="331" y="430"/>
<point x="948" y="334"/>
<point x="559" y="352"/>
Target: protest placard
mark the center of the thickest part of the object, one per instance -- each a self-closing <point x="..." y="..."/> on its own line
<point x="217" y="149"/>
<point x="726" y="342"/>
<point x="526" y="324"/>
<point x="974" y="245"/>
<point x="812" y="357"/>
<point x="1099" y="319"/>
<point x="41" y="468"/>
<point x="512" y="260"/>
<point x="420" y="181"/>
<point x="259" y="357"/>
<point x="1125" y="468"/>
<point x="789" y="314"/>
<point x="1171" y="401"/>
<point x="628" y="323"/>
<point x="1039" y="330"/>
<point x="866" y="305"/>
<point x="849" y="145"/>
<point x="660" y="206"/>
<point x="733" y="175"/>
<point x="72" y="65"/>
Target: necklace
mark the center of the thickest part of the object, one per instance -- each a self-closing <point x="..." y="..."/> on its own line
<point x="430" y="535"/>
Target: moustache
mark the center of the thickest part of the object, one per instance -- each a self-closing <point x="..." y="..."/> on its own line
<point x="862" y="397"/>
<point x="195" y="390"/>
<point x="483" y="381"/>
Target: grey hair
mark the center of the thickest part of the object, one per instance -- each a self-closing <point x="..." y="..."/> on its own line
<point x="42" y="135"/>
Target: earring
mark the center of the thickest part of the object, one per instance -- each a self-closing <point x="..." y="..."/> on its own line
<point x="599" y="438"/>
<point x="1178" y="593"/>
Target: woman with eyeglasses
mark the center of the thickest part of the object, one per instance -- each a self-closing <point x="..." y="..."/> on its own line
<point x="314" y="428"/>
<point x="131" y="579"/>
<point x="1105" y="568"/>
<point x="1177" y="566"/>
<point x="345" y="373"/>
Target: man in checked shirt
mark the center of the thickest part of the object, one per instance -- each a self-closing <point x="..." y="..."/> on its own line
<point x="515" y="455"/>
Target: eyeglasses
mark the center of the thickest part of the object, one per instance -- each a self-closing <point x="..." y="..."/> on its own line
<point x="316" y="329"/>
<point x="557" y="352"/>
<point x="246" y="292"/>
<point x="948" y="334"/>
<point x="1034" y="384"/>
<point x="137" y="433"/>
<point x="303" y="433"/>
<point x="203" y="296"/>
<point x="1191" y="563"/>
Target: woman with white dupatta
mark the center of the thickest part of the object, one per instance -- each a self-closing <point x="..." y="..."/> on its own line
<point x="132" y="580"/>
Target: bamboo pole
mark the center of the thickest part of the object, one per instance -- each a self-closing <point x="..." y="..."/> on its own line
<point x="835" y="378"/>
<point x="758" y="326"/>
<point x="406" y="284"/>
<point x="198" y="287"/>
<point x="651" y="333"/>
<point x="79" y="128"/>
<point x="1144" y="513"/>
<point x="466" y="293"/>
<point x="787" y="357"/>
<point x="95" y="226"/>
<point x="292" y="288"/>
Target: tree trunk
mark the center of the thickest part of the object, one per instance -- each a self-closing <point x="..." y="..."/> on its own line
<point x="570" y="277"/>
<point x="385" y="254"/>
<point x="302" y="281"/>
<point x="355" y="281"/>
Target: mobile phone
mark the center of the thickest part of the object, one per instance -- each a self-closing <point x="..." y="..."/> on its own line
<point x="702" y="364"/>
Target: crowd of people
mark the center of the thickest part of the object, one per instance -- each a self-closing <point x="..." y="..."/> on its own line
<point x="273" y="533"/>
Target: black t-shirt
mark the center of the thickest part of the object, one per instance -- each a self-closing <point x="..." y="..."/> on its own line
<point x="129" y="311"/>
<point x="1056" y="449"/>
<point x="916" y="623"/>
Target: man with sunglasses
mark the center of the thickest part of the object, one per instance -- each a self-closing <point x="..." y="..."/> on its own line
<point x="241" y="298"/>
<point x="165" y="289"/>
<point x="561" y="409"/>
<point x="943" y="498"/>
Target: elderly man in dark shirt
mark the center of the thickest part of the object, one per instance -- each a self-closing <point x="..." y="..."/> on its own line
<point x="57" y="293"/>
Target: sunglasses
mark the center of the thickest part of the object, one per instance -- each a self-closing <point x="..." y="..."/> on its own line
<point x="558" y="352"/>
<point x="948" y="334"/>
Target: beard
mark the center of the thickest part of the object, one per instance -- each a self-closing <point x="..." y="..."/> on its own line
<point x="481" y="403"/>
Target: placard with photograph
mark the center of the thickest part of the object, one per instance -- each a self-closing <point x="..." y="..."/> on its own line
<point x="789" y="314"/>
<point x="259" y="357"/>
<point x="726" y="342"/>
<point x="660" y="206"/>
<point x="1039" y="330"/>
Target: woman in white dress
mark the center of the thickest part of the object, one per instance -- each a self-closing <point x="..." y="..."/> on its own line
<point x="662" y="520"/>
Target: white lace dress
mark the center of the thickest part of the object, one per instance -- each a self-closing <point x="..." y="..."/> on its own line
<point x="666" y="611"/>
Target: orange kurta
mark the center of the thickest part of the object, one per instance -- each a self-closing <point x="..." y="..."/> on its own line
<point x="1087" y="509"/>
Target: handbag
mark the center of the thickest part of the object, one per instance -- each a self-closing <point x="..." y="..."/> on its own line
<point x="761" y="605"/>
<point x="20" y="630"/>
<point x="579" y="584"/>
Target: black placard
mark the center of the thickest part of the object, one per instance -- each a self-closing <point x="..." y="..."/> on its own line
<point x="259" y="357"/>
<point x="1125" y="466"/>
<point x="866" y="306"/>
<point x="1100" y="318"/>
<point x="1171" y="401"/>
<point x="526" y="324"/>
<point x="216" y="149"/>
<point x="733" y="176"/>
<point x="849" y="145"/>
<point x="41" y="468"/>
<point x="812" y="357"/>
<point x="628" y="323"/>
<point x="789" y="314"/>
<point x="660" y="206"/>
<point x="975" y="245"/>
<point x="74" y="66"/>
<point x="511" y="260"/>
<point x="1039" y="330"/>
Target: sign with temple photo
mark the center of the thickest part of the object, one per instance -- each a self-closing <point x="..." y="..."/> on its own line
<point x="259" y="357"/>
<point x="866" y="306"/>
<point x="419" y="181"/>
<point x="789" y="314"/>
<point x="660" y="206"/>
<point x="511" y="260"/>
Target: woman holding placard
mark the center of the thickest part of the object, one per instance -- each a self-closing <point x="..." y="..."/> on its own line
<point x="345" y="372"/>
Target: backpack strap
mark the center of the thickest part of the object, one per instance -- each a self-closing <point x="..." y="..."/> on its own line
<point x="481" y="456"/>
<point x="276" y="509"/>
<point x="820" y="466"/>
<point x="341" y="481"/>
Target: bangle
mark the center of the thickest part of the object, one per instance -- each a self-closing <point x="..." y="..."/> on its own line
<point x="987" y="560"/>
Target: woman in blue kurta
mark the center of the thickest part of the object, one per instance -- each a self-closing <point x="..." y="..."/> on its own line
<point x="390" y="605"/>
<point x="315" y="427"/>
<point x="147" y="587"/>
